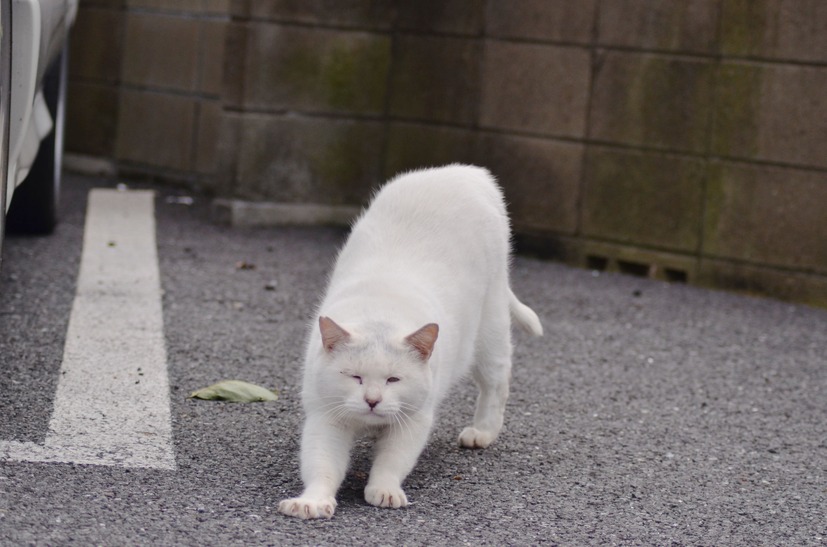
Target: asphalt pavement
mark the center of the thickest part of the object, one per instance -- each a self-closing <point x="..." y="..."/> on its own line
<point x="649" y="413"/>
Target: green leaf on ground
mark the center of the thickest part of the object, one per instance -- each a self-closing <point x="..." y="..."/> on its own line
<point x="235" y="391"/>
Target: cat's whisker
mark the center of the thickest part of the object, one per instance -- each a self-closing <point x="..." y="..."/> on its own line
<point x="336" y="412"/>
<point x="402" y="418"/>
<point x="332" y="411"/>
<point x="398" y="421"/>
<point x="341" y="411"/>
<point x="408" y="412"/>
<point x="334" y="404"/>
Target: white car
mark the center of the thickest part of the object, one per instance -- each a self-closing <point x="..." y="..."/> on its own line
<point x="34" y="35"/>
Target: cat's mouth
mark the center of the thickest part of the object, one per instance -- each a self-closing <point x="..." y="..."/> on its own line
<point x="375" y="416"/>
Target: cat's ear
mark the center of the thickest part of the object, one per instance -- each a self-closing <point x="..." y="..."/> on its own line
<point x="424" y="339"/>
<point x="332" y="334"/>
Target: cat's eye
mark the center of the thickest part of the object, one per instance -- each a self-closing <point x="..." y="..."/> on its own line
<point x="393" y="379"/>
<point x="357" y="378"/>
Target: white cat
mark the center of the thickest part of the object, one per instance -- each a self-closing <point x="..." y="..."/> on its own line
<point x="427" y="260"/>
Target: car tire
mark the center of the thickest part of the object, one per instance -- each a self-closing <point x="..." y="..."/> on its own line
<point x="34" y="207"/>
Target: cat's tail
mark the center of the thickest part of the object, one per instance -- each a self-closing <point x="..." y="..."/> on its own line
<point x="524" y="316"/>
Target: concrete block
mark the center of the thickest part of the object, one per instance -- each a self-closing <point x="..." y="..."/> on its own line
<point x="161" y="51"/>
<point x="640" y="262"/>
<point x="540" y="178"/>
<point x="213" y="36"/>
<point x="207" y="136"/>
<point x="363" y="14"/>
<point x="315" y="69"/>
<point x="91" y="118"/>
<point x="95" y="45"/>
<point x="293" y="159"/>
<point x="236" y="212"/>
<point x="535" y="88"/>
<point x="767" y="215"/>
<point x="771" y="112"/>
<point x="793" y="30"/>
<point x="235" y="66"/>
<point x="738" y="98"/>
<point x="228" y="152"/>
<point x="101" y="4"/>
<point x="216" y="7"/>
<point x="687" y="26"/>
<point x="435" y="79"/>
<point x="644" y="199"/>
<point x="763" y="281"/>
<point x="412" y="146"/>
<point x="442" y="16"/>
<point x="551" y="20"/>
<point x="648" y="100"/>
<point x="92" y="166"/>
<point x="177" y="6"/>
<point x="548" y="245"/>
<point x="156" y="129"/>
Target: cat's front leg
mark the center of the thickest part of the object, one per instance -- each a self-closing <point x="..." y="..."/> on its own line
<point x="397" y="450"/>
<point x="325" y="454"/>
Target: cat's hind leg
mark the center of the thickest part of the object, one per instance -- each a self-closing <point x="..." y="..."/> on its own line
<point x="492" y="374"/>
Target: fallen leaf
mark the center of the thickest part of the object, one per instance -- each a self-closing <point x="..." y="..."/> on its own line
<point x="235" y="391"/>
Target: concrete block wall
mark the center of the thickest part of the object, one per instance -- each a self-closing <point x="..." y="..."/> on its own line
<point x="145" y="88"/>
<point x="679" y="140"/>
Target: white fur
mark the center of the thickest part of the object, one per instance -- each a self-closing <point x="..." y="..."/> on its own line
<point x="433" y="247"/>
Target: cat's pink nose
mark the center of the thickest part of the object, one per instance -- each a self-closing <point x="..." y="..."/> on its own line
<point x="372" y="402"/>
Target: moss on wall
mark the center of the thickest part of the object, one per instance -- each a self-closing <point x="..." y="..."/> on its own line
<point x="737" y="110"/>
<point x="737" y="104"/>
<point x="673" y="98"/>
<point x="338" y="73"/>
<point x="743" y="26"/>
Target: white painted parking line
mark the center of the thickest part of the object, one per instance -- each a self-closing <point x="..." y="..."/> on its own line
<point x="112" y="401"/>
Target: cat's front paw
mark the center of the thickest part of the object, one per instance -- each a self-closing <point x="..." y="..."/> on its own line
<point x="308" y="508"/>
<point x="471" y="437"/>
<point x="385" y="496"/>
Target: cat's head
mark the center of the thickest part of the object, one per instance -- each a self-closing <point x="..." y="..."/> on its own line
<point x="367" y="374"/>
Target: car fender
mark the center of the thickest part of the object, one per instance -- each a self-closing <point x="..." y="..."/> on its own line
<point x="26" y="46"/>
